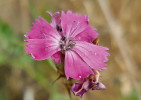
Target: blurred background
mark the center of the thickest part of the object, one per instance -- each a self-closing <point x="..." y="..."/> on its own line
<point x="118" y="23"/>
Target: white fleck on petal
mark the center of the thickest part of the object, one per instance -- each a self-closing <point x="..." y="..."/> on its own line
<point x="32" y="55"/>
<point x="79" y="76"/>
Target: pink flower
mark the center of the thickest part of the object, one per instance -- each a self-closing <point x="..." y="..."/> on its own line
<point x="72" y="35"/>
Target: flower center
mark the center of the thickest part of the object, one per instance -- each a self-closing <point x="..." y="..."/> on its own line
<point x="66" y="44"/>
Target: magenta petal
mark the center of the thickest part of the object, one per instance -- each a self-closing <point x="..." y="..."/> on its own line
<point x="42" y="29"/>
<point x="73" y="24"/>
<point x="56" y="57"/>
<point x="76" y="87"/>
<point x="79" y="89"/>
<point x="88" y="35"/>
<point x="75" y="67"/>
<point x="40" y="49"/>
<point x="81" y="93"/>
<point x="95" y="56"/>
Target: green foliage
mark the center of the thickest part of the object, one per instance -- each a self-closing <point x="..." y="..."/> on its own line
<point x="12" y="54"/>
<point x="2" y="95"/>
<point x="57" y="96"/>
<point x="10" y="46"/>
<point x="133" y="96"/>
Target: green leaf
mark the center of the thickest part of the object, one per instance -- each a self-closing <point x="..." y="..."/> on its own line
<point x="52" y="64"/>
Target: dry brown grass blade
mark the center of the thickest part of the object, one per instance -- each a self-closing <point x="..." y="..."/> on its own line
<point x="25" y="16"/>
<point x="117" y="32"/>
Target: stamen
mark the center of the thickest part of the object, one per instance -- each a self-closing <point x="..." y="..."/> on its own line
<point x="58" y="28"/>
<point x="63" y="38"/>
<point x="66" y="45"/>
